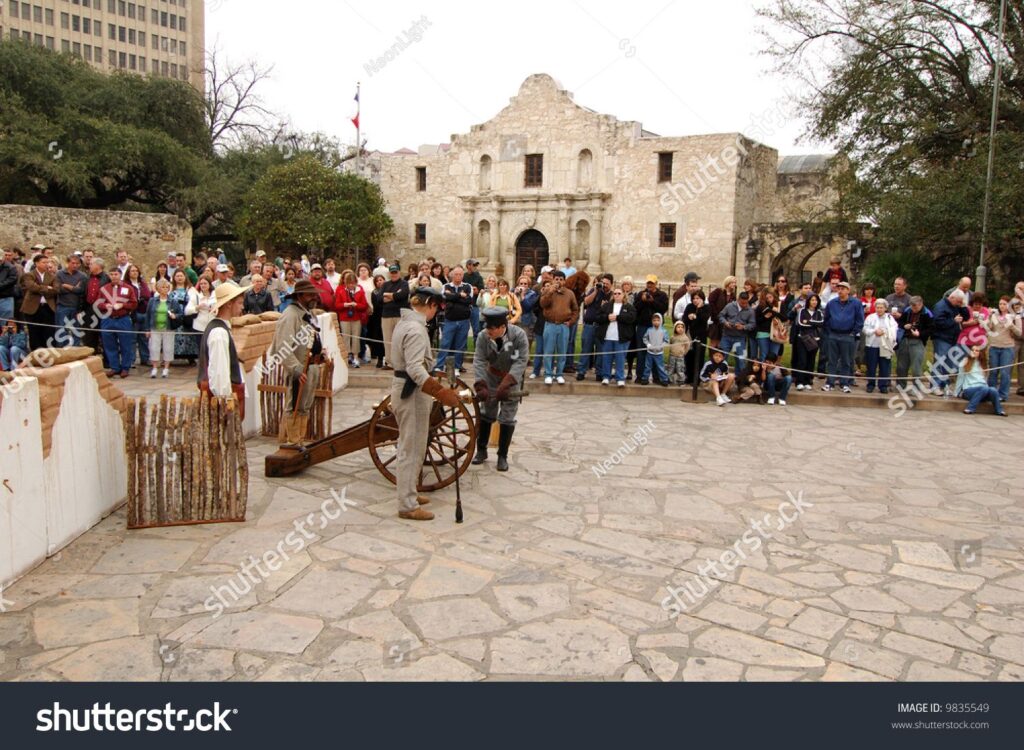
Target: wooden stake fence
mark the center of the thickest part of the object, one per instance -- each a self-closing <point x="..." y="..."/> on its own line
<point x="273" y="390"/>
<point x="186" y="462"/>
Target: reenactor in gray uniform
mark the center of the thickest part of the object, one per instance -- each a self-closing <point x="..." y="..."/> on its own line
<point x="413" y="392"/>
<point x="498" y="365"/>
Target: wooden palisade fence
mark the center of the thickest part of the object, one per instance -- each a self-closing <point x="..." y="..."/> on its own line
<point x="272" y="394"/>
<point x="186" y="462"/>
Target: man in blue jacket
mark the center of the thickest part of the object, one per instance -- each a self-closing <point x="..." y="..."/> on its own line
<point x="948" y="316"/>
<point x="844" y="320"/>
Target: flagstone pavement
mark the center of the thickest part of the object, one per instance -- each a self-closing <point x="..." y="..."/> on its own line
<point x="906" y="563"/>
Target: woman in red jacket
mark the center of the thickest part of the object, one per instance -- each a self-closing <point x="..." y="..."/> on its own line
<point x="351" y="306"/>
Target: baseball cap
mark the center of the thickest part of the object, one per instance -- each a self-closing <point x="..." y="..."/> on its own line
<point x="843" y="284"/>
<point x="261" y="253"/>
<point x="547" y="269"/>
<point x="472" y="262"/>
<point x="395" y="268"/>
<point x="222" y="268"/>
<point x="652" y="279"/>
<point x="40" y="246"/>
<point x="315" y="266"/>
<point x="691" y="276"/>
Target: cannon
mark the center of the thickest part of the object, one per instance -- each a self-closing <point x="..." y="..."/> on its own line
<point x="450" y="447"/>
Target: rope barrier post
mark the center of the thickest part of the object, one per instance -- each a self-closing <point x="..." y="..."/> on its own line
<point x="699" y="359"/>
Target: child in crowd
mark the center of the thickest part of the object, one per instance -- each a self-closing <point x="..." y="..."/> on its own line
<point x="972" y="383"/>
<point x="751" y="382"/>
<point x="716" y="378"/>
<point x="655" y="340"/>
<point x="679" y="347"/>
<point x="777" y="380"/>
<point x="13" y="345"/>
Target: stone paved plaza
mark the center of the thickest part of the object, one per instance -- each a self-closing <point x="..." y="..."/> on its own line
<point x="907" y="566"/>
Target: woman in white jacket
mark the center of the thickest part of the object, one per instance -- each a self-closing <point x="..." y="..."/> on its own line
<point x="201" y="303"/>
<point x="879" y="346"/>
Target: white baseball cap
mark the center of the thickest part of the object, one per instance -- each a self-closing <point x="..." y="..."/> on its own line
<point x="222" y="268"/>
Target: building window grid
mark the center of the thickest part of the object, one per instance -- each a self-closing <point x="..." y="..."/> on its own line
<point x="421" y="234"/>
<point x="667" y="235"/>
<point x="534" y="172"/>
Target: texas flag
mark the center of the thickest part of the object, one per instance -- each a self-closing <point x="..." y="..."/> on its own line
<point x="355" y="120"/>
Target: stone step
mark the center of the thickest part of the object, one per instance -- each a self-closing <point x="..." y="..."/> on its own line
<point x="370" y="377"/>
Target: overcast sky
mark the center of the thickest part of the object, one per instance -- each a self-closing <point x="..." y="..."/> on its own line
<point x="680" y="68"/>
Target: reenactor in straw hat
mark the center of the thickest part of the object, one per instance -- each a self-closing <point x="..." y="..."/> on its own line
<point x="298" y="349"/>
<point x="220" y="371"/>
<point x="498" y="364"/>
<point x="412" y="393"/>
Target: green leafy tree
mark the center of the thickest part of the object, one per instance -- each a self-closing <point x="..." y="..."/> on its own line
<point x="305" y="204"/>
<point x="72" y="136"/>
<point x="904" y="89"/>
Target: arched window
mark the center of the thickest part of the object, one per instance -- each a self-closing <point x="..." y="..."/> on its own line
<point x="483" y="238"/>
<point x="582" y="248"/>
<point x="485" y="173"/>
<point x="584" y="169"/>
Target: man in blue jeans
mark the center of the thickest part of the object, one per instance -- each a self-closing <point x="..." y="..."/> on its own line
<point x="590" y="351"/>
<point x="948" y="316"/>
<point x="71" y="285"/>
<point x="558" y="305"/>
<point x="459" y="302"/>
<point x="737" y="319"/>
<point x="116" y="303"/>
<point x="476" y="280"/>
<point x="844" y="321"/>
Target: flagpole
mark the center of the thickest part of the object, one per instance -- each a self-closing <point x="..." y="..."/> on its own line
<point x="359" y="137"/>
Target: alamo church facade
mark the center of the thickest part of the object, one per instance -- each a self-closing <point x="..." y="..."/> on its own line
<point x="547" y="179"/>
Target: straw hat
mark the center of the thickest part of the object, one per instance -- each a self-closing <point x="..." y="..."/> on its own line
<point x="227" y="291"/>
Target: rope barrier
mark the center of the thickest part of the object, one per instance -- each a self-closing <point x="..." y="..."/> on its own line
<point x="80" y="329"/>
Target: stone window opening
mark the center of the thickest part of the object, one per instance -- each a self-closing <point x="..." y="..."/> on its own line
<point x="585" y="169"/>
<point x="421" y="179"/>
<point x="421" y="234"/>
<point x="667" y="235"/>
<point x="485" y="173"/>
<point x="534" y="170"/>
<point x="665" y="166"/>
<point x="581" y="250"/>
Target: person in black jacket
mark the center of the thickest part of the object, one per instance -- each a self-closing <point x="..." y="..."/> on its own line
<point x="374" y="330"/>
<point x="459" y="301"/>
<point x="697" y="319"/>
<point x="915" y="327"/>
<point x="8" y="285"/>
<point x="395" y="295"/>
<point x="809" y="323"/>
<point x="648" y="302"/>
<point x="616" y="327"/>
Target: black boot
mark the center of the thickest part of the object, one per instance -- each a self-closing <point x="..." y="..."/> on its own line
<point x="504" y="441"/>
<point x="482" y="436"/>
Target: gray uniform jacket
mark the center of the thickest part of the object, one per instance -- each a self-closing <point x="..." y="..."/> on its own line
<point x="512" y="358"/>
<point x="490" y="364"/>
<point x="410" y="347"/>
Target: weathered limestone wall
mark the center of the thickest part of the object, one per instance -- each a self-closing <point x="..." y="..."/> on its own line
<point x="148" y="238"/>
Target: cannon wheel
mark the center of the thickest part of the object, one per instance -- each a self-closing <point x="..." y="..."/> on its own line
<point x="448" y="452"/>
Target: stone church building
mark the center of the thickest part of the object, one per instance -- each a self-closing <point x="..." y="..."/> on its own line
<point x="547" y="179"/>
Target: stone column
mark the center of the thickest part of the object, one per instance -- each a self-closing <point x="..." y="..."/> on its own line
<point x="494" y="251"/>
<point x="469" y="231"/>
<point x="596" y="242"/>
<point x="563" y="243"/>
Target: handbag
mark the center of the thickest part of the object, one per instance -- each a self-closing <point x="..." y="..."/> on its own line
<point x="809" y="342"/>
<point x="780" y="331"/>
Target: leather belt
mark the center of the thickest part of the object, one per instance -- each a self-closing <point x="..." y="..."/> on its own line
<point x="409" y="387"/>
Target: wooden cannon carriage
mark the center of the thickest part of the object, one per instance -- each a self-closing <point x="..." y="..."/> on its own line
<point x="450" y="446"/>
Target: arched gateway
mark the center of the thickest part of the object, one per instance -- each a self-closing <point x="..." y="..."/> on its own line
<point x="531" y="249"/>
